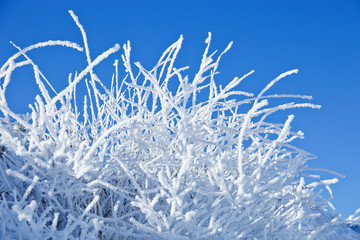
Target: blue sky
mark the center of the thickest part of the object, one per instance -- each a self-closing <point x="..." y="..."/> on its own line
<point x="320" y="38"/>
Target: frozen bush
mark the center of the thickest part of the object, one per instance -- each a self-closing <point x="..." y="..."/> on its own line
<point x="139" y="161"/>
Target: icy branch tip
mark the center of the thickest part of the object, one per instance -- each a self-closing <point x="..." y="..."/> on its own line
<point x="208" y="38"/>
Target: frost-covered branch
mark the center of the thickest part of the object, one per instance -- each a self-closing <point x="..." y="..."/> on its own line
<point x="140" y="161"/>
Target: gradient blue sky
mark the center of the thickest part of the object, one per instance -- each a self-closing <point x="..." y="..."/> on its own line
<point x="320" y="38"/>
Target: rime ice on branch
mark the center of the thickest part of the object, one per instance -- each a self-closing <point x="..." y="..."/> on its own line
<point x="139" y="161"/>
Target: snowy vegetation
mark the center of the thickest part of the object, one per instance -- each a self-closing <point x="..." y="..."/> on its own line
<point x="140" y="161"/>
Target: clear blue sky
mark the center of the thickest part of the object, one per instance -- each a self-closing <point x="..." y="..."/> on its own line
<point x="320" y="38"/>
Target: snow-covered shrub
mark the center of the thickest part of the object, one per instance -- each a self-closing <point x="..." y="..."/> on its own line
<point x="140" y="161"/>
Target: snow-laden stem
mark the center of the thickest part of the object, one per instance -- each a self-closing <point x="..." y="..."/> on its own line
<point x="155" y="163"/>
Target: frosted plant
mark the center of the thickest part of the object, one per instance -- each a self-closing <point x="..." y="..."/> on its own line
<point x="140" y="161"/>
